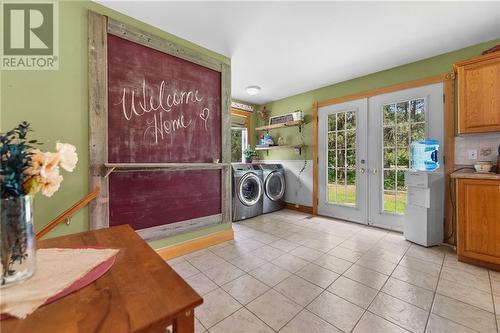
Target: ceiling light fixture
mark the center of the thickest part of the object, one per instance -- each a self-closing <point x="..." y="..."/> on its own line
<point x="252" y="90"/>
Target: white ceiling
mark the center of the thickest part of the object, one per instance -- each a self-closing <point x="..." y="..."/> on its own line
<point x="292" y="47"/>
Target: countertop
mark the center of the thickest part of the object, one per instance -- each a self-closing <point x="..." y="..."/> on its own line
<point x="472" y="174"/>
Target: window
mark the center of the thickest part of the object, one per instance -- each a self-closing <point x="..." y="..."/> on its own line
<point x="342" y="158"/>
<point x="404" y="122"/>
<point x="239" y="142"/>
<point x="240" y="126"/>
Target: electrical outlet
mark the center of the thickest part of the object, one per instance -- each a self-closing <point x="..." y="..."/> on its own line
<point x="472" y="153"/>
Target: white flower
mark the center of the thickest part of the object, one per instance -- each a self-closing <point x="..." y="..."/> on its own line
<point x="51" y="182"/>
<point x="67" y="156"/>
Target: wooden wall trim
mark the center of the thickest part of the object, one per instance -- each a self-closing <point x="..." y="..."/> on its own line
<point x="98" y="117"/>
<point x="299" y="208"/>
<point x="171" y="229"/>
<point x="196" y="244"/>
<point x="226" y="195"/>
<point x="449" y="157"/>
<point x="384" y="90"/>
<point x="315" y="159"/>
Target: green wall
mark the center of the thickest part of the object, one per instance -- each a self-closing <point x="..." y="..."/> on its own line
<point x="413" y="71"/>
<point x="56" y="104"/>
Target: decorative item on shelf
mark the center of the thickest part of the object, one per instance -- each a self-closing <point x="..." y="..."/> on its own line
<point x="265" y="140"/>
<point x="287" y="117"/>
<point x="263" y="114"/>
<point x="249" y="155"/>
<point x="483" y="166"/>
<point x="25" y="171"/>
<point x="268" y="139"/>
<point x="281" y="141"/>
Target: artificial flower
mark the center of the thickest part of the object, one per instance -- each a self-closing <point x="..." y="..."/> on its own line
<point x="50" y="163"/>
<point x="50" y="184"/>
<point x="67" y="156"/>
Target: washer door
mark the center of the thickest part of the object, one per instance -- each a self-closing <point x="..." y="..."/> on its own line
<point x="275" y="186"/>
<point x="249" y="189"/>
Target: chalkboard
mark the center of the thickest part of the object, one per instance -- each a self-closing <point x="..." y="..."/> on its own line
<point x="148" y="199"/>
<point x="159" y="132"/>
<point x="160" y="108"/>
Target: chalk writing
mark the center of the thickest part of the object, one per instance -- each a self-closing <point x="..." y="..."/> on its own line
<point x="139" y="104"/>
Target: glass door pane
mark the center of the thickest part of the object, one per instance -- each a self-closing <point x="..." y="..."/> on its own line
<point x="238" y="143"/>
<point x="403" y="123"/>
<point x="341" y="159"/>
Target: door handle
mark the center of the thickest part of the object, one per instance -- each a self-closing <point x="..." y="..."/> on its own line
<point x="374" y="171"/>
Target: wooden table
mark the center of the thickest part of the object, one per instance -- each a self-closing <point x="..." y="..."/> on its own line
<point x="140" y="293"/>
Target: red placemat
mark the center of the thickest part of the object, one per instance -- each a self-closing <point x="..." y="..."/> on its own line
<point x="84" y="281"/>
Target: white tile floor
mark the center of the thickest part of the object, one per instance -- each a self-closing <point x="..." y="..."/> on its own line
<point x="288" y="272"/>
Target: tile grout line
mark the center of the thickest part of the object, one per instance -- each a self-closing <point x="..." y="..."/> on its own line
<point x="378" y="292"/>
<point x="434" y="295"/>
<point x="493" y="300"/>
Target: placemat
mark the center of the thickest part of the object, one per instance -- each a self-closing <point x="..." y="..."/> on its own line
<point x="59" y="273"/>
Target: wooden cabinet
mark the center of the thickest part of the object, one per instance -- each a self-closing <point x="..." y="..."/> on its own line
<point x="479" y="94"/>
<point x="478" y="221"/>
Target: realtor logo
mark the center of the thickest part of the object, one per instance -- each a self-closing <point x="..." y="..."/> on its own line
<point x="30" y="35"/>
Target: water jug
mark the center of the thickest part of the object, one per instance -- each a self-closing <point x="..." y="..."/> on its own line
<point x="424" y="155"/>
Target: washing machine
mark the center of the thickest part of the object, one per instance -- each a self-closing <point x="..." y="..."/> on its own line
<point x="247" y="191"/>
<point x="274" y="187"/>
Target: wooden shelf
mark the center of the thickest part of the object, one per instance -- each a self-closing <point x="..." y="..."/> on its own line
<point x="275" y="126"/>
<point x="124" y="167"/>
<point x="267" y="149"/>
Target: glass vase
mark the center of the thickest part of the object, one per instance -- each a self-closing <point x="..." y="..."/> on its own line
<point x="17" y="238"/>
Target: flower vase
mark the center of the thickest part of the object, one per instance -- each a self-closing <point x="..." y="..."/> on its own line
<point x="17" y="252"/>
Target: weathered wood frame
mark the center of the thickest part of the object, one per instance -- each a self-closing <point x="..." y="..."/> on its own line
<point x="98" y="28"/>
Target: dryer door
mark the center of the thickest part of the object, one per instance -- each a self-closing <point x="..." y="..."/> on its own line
<point x="275" y="186"/>
<point x="249" y="189"/>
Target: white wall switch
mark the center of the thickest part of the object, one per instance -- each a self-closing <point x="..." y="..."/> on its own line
<point x="472" y="154"/>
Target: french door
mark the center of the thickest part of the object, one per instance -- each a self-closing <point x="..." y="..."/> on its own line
<point x="364" y="152"/>
<point x="342" y="167"/>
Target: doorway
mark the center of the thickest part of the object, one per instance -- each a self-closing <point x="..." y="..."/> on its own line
<point x="240" y="129"/>
<point x="364" y="152"/>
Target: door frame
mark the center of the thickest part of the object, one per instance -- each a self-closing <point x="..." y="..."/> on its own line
<point x="246" y="115"/>
<point x="448" y="80"/>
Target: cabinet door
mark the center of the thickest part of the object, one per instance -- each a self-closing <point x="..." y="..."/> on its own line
<point x="479" y="97"/>
<point x="479" y="219"/>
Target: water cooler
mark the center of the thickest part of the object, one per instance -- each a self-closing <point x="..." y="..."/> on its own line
<point x="424" y="217"/>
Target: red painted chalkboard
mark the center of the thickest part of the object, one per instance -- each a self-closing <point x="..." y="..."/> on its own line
<point x="161" y="109"/>
<point x="147" y="199"/>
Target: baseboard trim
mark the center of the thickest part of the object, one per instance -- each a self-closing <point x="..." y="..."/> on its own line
<point x="300" y="208"/>
<point x="195" y="244"/>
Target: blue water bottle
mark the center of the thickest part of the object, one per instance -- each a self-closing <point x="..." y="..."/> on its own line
<point x="424" y="155"/>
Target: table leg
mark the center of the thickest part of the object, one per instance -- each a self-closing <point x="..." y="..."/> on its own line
<point x="184" y="323"/>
